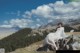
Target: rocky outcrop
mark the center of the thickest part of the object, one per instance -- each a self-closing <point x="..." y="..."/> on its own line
<point x="70" y="43"/>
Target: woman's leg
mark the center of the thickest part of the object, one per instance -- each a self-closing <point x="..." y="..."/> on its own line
<point x="54" y="46"/>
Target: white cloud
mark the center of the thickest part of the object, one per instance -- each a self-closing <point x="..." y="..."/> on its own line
<point x="27" y="14"/>
<point x="38" y="25"/>
<point x="58" y="10"/>
<point x="6" y="26"/>
<point x="59" y="3"/>
<point x="21" y="23"/>
<point x="50" y="21"/>
<point x="50" y="12"/>
<point x="44" y="11"/>
<point x="17" y="13"/>
<point x="38" y="20"/>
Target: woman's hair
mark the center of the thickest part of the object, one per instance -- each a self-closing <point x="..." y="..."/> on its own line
<point x="60" y="24"/>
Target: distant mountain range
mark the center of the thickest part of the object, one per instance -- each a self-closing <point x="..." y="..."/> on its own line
<point x="70" y="23"/>
<point x="27" y="36"/>
<point x="74" y="23"/>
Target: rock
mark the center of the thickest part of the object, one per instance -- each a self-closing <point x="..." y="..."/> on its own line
<point x="76" y="46"/>
<point x="65" y="44"/>
<point x="45" y="48"/>
<point x="70" y="43"/>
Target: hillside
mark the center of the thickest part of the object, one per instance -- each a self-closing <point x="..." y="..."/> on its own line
<point x="15" y="40"/>
<point x="32" y="48"/>
<point x="19" y="39"/>
<point x="27" y="36"/>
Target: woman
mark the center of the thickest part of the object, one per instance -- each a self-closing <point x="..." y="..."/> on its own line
<point x="51" y="38"/>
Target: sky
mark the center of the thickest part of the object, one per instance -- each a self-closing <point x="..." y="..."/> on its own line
<point x="34" y="13"/>
<point x="10" y="8"/>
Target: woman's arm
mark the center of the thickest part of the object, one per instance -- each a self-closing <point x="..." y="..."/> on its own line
<point x="63" y="32"/>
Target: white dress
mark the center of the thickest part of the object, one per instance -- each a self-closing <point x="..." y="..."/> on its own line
<point x="53" y="37"/>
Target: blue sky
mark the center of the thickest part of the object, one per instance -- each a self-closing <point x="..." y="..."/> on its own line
<point x="13" y="6"/>
<point x="13" y="12"/>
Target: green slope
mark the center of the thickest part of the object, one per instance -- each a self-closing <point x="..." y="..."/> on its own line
<point x="19" y="39"/>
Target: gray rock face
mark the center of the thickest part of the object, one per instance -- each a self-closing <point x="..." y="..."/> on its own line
<point x="70" y="43"/>
<point x="76" y="44"/>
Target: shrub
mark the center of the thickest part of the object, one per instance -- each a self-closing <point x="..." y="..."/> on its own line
<point x="20" y="39"/>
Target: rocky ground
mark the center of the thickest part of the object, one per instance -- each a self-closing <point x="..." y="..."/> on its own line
<point x="32" y="48"/>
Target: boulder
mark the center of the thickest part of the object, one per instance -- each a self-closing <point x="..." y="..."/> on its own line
<point x="69" y="43"/>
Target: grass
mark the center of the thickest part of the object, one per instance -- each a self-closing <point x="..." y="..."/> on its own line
<point x="31" y="49"/>
<point x="74" y="33"/>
